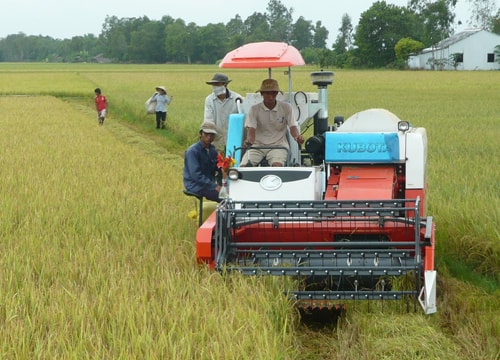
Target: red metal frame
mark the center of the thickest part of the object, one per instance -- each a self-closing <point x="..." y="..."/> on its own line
<point x="204" y="241"/>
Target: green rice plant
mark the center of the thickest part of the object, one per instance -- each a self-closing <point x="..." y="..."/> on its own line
<point x="97" y="261"/>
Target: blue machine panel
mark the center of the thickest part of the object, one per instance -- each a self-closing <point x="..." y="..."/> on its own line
<point x="235" y="136"/>
<point x="361" y="147"/>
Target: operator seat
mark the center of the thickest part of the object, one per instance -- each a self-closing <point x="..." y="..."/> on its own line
<point x="292" y="157"/>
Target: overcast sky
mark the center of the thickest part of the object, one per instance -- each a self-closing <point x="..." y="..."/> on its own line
<point x="63" y="19"/>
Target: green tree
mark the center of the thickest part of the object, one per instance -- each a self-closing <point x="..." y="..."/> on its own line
<point x="235" y="31"/>
<point x="113" y="38"/>
<point x="320" y="36"/>
<point x="326" y="58"/>
<point x="280" y="21"/>
<point x="482" y="14"/>
<point x="256" y="28"/>
<point x="191" y="41"/>
<point x="343" y="43"/>
<point x="438" y="22"/>
<point x="212" y="45"/>
<point x="495" y="22"/>
<point x="378" y="31"/>
<point x="43" y="48"/>
<point x="302" y="36"/>
<point x="177" y="41"/>
<point x="147" y="43"/>
<point x="116" y="35"/>
<point x="80" y="48"/>
<point x="20" y="48"/>
<point x="310" y="55"/>
<point x="435" y="19"/>
<point x="344" y="39"/>
<point x="404" y="48"/>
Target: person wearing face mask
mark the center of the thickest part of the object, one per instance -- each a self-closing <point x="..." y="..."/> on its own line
<point x="219" y="105"/>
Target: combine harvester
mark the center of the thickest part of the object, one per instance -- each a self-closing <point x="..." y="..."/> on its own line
<point x="346" y="216"/>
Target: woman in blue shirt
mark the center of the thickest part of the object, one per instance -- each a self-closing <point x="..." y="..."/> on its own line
<point x="162" y="100"/>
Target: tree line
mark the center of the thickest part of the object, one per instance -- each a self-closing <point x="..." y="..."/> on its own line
<point x="386" y="34"/>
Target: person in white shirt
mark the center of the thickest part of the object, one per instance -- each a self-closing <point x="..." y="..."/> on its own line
<point x="221" y="103"/>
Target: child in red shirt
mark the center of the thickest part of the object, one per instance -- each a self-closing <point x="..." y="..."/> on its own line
<point x="101" y="105"/>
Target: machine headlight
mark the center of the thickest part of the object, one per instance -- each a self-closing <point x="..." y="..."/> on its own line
<point x="233" y="174"/>
<point x="403" y="126"/>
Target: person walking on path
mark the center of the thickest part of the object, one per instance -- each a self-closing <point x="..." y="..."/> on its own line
<point x="101" y="105"/>
<point x="162" y="100"/>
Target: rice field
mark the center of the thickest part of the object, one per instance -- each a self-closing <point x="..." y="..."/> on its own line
<point x="97" y="255"/>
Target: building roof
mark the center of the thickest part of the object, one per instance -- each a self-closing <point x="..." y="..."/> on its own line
<point x="443" y="44"/>
<point x="456" y="38"/>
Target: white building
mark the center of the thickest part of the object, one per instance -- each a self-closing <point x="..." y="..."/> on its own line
<point x="474" y="49"/>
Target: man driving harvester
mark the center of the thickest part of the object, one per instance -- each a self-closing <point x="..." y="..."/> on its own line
<point x="266" y="125"/>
